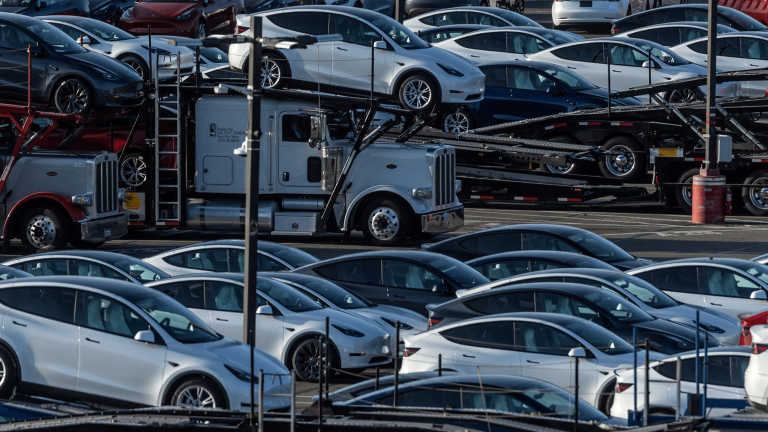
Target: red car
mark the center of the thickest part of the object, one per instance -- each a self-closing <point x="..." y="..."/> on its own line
<point x="749" y="321"/>
<point x="190" y="18"/>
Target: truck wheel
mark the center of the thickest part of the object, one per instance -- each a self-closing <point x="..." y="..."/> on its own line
<point x="684" y="193"/>
<point x="628" y="166"/>
<point x="756" y="197"/>
<point x="571" y="168"/>
<point x="385" y="222"/>
<point x="418" y="92"/>
<point x="44" y="229"/>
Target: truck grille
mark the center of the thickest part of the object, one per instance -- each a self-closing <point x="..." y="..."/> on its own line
<point x="444" y="181"/>
<point x="106" y="187"/>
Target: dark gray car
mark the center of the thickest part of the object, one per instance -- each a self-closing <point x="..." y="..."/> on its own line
<point x="406" y="279"/>
<point x="508" y="264"/>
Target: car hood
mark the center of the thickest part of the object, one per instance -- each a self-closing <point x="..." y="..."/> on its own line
<point x="344" y="319"/>
<point x="673" y="331"/>
<point x="100" y="61"/>
<point x="621" y="361"/>
<point x="418" y="322"/>
<point x="238" y="354"/>
<point x="143" y="11"/>
<point x="603" y="93"/>
<point x="446" y="58"/>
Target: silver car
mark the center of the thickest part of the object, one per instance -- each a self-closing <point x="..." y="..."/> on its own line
<point x="123" y="344"/>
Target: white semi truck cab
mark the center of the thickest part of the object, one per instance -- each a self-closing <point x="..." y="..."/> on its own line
<point x="392" y="191"/>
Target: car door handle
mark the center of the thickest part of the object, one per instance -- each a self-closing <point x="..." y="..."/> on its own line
<point x="19" y="324"/>
<point x="340" y="48"/>
<point x="531" y="361"/>
<point x="91" y="340"/>
<point x="570" y="67"/>
<point x="468" y="356"/>
<point x="753" y="65"/>
<point x="474" y="56"/>
<point x="614" y="70"/>
<point x="715" y="304"/>
<point x="221" y="319"/>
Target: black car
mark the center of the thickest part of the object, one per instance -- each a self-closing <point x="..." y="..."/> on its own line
<point x="439" y="34"/>
<point x="671" y="34"/>
<point x="512" y="238"/>
<point x="407" y="279"/>
<point x="64" y="74"/>
<point x="508" y="264"/>
<point x="45" y="7"/>
<point x="109" y="11"/>
<point x="687" y="12"/>
<point x="593" y="304"/>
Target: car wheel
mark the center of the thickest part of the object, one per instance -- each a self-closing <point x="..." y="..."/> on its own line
<point x="8" y="373"/>
<point x="418" y="92"/>
<point x="519" y="7"/>
<point x="44" y="229"/>
<point x="684" y="190"/>
<point x="305" y="359"/>
<point x="458" y="122"/>
<point x="198" y="394"/>
<point x="681" y="96"/>
<point x="115" y="20"/>
<point x="385" y="223"/>
<point x="627" y="166"/>
<point x="133" y="170"/>
<point x="73" y="96"/>
<point x="138" y="65"/>
<point x="200" y="30"/>
<point x="756" y="196"/>
<point x="273" y="71"/>
<point x="570" y="168"/>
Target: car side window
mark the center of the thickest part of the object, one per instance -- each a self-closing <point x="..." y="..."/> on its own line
<point x="14" y="38"/>
<point x="485" y="19"/>
<point x="444" y="36"/>
<point x="109" y="315"/>
<point x="495" y="77"/>
<point x="450" y="18"/>
<point x="524" y="44"/>
<point x="430" y="20"/>
<point x="721" y="370"/>
<point x="425" y="397"/>
<point x="528" y="79"/>
<point x="492" y="335"/>
<point x="366" y="272"/>
<point x="547" y="242"/>
<point x="587" y="52"/>
<point x="503" y="303"/>
<point x="91" y="269"/>
<point x="669" y="15"/>
<point x="723" y="282"/>
<point x="543" y="339"/>
<point x="738" y="369"/>
<point x="494" y="243"/>
<point x="662" y="36"/>
<point x="313" y="23"/>
<point x="10" y="297"/>
<point x="593" y="283"/>
<point x="622" y="55"/>
<point x="53" y="303"/>
<point x="226" y="297"/>
<point x="191" y="293"/>
<point x="209" y="259"/>
<point x="492" y="41"/>
<point x="683" y="279"/>
<point x="69" y="31"/>
<point x="689" y="34"/>
<point x="403" y="274"/>
<point x="53" y="267"/>
<point x="699" y="47"/>
<point x="539" y="265"/>
<point x="499" y="270"/>
<point x="556" y="303"/>
<point x="353" y="30"/>
<point x="730" y="47"/>
<point x="754" y="49"/>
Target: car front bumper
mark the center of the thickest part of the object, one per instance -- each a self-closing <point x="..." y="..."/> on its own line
<point x="443" y="221"/>
<point x="123" y="96"/>
<point x="366" y="352"/>
<point x="463" y="90"/>
<point x="277" y="392"/>
<point x="586" y="15"/>
<point x="101" y="230"/>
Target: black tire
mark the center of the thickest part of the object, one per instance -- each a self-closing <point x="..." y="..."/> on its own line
<point x="629" y="166"/>
<point x="138" y="64"/>
<point x="198" y="393"/>
<point x="681" y="96"/>
<point x="606" y="398"/>
<point x="73" y="96"/>
<point x="201" y="30"/>
<point x="133" y="170"/>
<point x="684" y="194"/>
<point x="385" y="222"/>
<point x="274" y="71"/>
<point x="571" y="168"/>
<point x="752" y="196"/>
<point x="418" y="92"/>
<point x="9" y="371"/>
<point x="44" y="229"/>
<point x="458" y="121"/>
<point x="304" y="360"/>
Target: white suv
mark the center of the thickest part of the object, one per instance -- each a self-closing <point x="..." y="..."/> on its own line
<point x="405" y="67"/>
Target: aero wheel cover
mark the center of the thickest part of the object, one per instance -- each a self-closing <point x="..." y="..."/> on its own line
<point x="73" y="97"/>
<point x="384" y="223"/>
<point x="133" y="171"/>
<point x="417" y="94"/>
<point x="456" y="123"/>
<point x="41" y="231"/>
<point x="196" y="397"/>
<point x="756" y="195"/>
<point x="622" y="164"/>
<point x="683" y="96"/>
<point x="270" y="73"/>
<point x="307" y="360"/>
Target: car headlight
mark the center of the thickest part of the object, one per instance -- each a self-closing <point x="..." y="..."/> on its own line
<point x="711" y="328"/>
<point x="185" y="15"/>
<point x="450" y="71"/>
<point x="348" y="331"/>
<point x="241" y="374"/>
<point x="422" y="192"/>
<point x="403" y="326"/>
<point x="127" y="15"/>
<point x="83" y="200"/>
<point x="109" y="76"/>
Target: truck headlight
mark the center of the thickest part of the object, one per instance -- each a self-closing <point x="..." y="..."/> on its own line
<point x="83" y="200"/>
<point x="423" y="192"/>
<point x="457" y="186"/>
<point x="122" y="194"/>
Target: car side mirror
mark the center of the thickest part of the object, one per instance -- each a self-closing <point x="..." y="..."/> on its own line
<point x="577" y="352"/>
<point x="145" y="336"/>
<point x="554" y="90"/>
<point x="441" y="288"/>
<point x="36" y="51"/>
<point x="380" y="45"/>
<point x="265" y="310"/>
<point x="758" y="295"/>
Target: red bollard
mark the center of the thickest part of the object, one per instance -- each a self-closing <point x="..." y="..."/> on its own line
<point x="708" y="197"/>
<point x="728" y="200"/>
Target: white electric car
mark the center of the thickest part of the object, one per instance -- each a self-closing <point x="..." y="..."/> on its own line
<point x="579" y="13"/>
<point x="481" y="15"/>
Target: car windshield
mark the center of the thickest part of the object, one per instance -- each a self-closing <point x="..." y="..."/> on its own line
<point x="746" y="22"/>
<point x="104" y="30"/>
<point x="401" y="35"/>
<point x="568" y="79"/>
<point x="558" y="37"/>
<point x="516" y="19"/>
<point x="295" y="257"/>
<point x="174" y="318"/>
<point x="601" y="339"/>
<point x="214" y="55"/>
<point x="288" y="297"/>
<point x="463" y="274"/>
<point x="55" y="38"/>
<point x="619" y="308"/>
<point x="140" y="270"/>
<point x="759" y="271"/>
<point x="335" y="294"/>
<point x="599" y="247"/>
<point x="15" y="3"/>
<point x="644" y="291"/>
<point x="660" y="52"/>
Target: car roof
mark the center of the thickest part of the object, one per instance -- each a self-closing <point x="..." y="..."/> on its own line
<point x="115" y="287"/>
<point x="233" y="277"/>
<point x="723" y="350"/>
<point x="407" y="254"/>
<point x="455" y="27"/>
<point x="566" y="257"/>
<point x="731" y="262"/>
<point x="64" y="18"/>
<point x="358" y="12"/>
<point x="552" y="229"/>
<point x="108" y="257"/>
<point x="553" y="318"/>
<point x="566" y="287"/>
<point x="759" y="34"/>
<point x="264" y="246"/>
<point x="698" y="24"/>
<point x="17" y="18"/>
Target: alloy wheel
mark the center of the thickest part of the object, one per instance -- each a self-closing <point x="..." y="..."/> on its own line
<point x="133" y="170"/>
<point x="136" y="66"/>
<point x="196" y="397"/>
<point x="417" y="94"/>
<point x="456" y="123"/>
<point x="41" y="231"/>
<point x="270" y="73"/>
<point x="683" y="96"/>
<point x="73" y="97"/>
<point x="307" y="360"/>
<point x="559" y="169"/>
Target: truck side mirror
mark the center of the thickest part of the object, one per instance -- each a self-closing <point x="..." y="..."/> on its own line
<point x="554" y="90"/>
<point x="317" y="128"/>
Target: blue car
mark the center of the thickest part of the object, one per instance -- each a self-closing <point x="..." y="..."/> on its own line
<point x="45" y="7"/>
<point x="109" y="11"/>
<point x="518" y="90"/>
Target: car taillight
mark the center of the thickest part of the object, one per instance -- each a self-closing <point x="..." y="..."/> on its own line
<point x="433" y="321"/>
<point x="758" y="348"/>
<point x="411" y="351"/>
<point x="614" y="31"/>
<point x="620" y="387"/>
<point x="745" y="332"/>
<point x="242" y="29"/>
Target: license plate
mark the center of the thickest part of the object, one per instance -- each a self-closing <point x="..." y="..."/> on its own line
<point x="132" y="201"/>
<point x="668" y="152"/>
<point x="107" y="233"/>
<point x="585" y="4"/>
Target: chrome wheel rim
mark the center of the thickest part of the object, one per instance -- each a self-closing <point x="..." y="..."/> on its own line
<point x="135" y="66"/>
<point x="196" y="397"/>
<point x="72" y="97"/>
<point x="133" y="171"/>
<point x="417" y="94"/>
<point x="758" y="193"/>
<point x="384" y="223"/>
<point x="456" y="123"/>
<point x="308" y="360"/>
<point x="557" y="169"/>
<point x="622" y="164"/>
<point x="270" y="73"/>
<point x="41" y="231"/>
